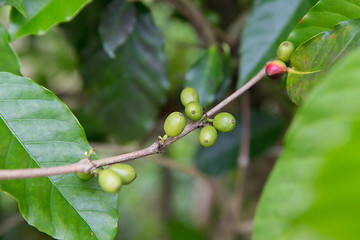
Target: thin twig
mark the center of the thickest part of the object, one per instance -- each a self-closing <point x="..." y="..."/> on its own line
<point x="243" y="159"/>
<point x="84" y="165"/>
<point x="192" y="171"/>
<point x="235" y="29"/>
<point x="236" y="94"/>
<point x="80" y="166"/>
<point x="187" y="169"/>
<point x="10" y="223"/>
<point x="245" y="227"/>
<point x="189" y="10"/>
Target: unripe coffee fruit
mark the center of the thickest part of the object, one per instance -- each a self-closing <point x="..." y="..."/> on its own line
<point x="194" y="111"/>
<point x="85" y="176"/>
<point x="125" y="171"/>
<point x="224" y="122"/>
<point x="174" y="124"/>
<point x="285" y="50"/>
<point x="188" y="95"/>
<point x="275" y="69"/>
<point x="208" y="136"/>
<point x="109" y="181"/>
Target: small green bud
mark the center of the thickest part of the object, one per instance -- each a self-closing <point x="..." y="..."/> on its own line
<point x="285" y="50"/>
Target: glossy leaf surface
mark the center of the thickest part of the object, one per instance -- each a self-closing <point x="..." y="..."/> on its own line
<point x="16" y="3"/>
<point x="8" y="59"/>
<point x="41" y="15"/>
<point x="206" y="76"/>
<point x="267" y="26"/>
<point x="127" y="92"/>
<point x="37" y="130"/>
<point x="317" y="55"/>
<point x="227" y="73"/>
<point x="323" y="17"/>
<point x="117" y="23"/>
<point x="313" y="191"/>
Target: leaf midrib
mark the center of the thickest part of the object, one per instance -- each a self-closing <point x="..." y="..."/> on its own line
<point x="13" y="133"/>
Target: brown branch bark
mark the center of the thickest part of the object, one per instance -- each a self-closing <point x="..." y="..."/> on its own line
<point x="237" y="93"/>
<point x="85" y="165"/>
<point x="11" y="222"/>
<point x="190" y="11"/>
<point x="192" y="171"/>
<point x="243" y="159"/>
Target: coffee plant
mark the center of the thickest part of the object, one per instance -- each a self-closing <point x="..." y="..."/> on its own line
<point x="203" y="88"/>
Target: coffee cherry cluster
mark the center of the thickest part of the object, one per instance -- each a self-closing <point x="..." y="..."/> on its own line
<point x="112" y="178"/>
<point x="277" y="68"/>
<point x="175" y="122"/>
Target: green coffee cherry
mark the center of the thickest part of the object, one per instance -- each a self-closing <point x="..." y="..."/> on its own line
<point x="188" y="95"/>
<point x="194" y="111"/>
<point x="174" y="124"/>
<point x="85" y="176"/>
<point x="224" y="122"/>
<point x="208" y="136"/>
<point x="285" y="50"/>
<point x="125" y="171"/>
<point x="109" y="181"/>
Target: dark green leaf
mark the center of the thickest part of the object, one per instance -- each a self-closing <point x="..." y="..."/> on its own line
<point x="8" y="59"/>
<point x="117" y="23"/>
<point x="37" y="130"/>
<point x="180" y="231"/>
<point x="181" y="42"/>
<point x="128" y="91"/>
<point x="227" y="73"/>
<point x="16" y="3"/>
<point x="206" y="76"/>
<point x="267" y="26"/>
<point x="313" y="191"/>
<point x="316" y="55"/>
<point x="323" y="17"/>
<point x="221" y="158"/>
<point x="41" y="15"/>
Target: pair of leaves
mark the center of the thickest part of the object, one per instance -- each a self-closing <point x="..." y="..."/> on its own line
<point x="256" y="49"/>
<point x="318" y="54"/>
<point x="320" y="50"/>
<point x="37" y="16"/>
<point x="117" y="23"/>
<point x="313" y="192"/>
<point x="18" y="4"/>
<point x="8" y="59"/>
<point x="210" y="76"/>
<point x="136" y="75"/>
<point x="37" y="130"/>
<point x="268" y="24"/>
<point x="323" y="17"/>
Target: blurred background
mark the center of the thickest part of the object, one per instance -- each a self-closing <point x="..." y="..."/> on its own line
<point x="122" y="102"/>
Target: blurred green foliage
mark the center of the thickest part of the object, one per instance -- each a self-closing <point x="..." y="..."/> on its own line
<point x="125" y="99"/>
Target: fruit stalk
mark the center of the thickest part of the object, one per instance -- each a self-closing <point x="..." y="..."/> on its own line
<point x="86" y="166"/>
